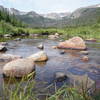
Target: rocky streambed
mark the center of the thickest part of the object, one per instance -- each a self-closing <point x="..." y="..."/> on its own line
<point x="68" y="65"/>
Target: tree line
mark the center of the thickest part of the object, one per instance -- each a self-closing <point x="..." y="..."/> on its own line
<point x="10" y="18"/>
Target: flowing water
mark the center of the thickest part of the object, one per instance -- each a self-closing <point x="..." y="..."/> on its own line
<point x="68" y="62"/>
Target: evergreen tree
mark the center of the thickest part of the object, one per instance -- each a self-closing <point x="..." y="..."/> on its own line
<point x="4" y="15"/>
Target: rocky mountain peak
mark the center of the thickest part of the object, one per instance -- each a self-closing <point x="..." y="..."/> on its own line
<point x="56" y="15"/>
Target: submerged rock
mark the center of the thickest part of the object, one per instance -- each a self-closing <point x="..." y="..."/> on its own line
<point x="85" y="58"/>
<point x="3" y="48"/>
<point x="41" y="46"/>
<point x="9" y="57"/>
<point x="17" y="39"/>
<point x="62" y="52"/>
<point x="19" y="68"/>
<point x="39" y="56"/>
<point x="59" y="76"/>
<point x="81" y="81"/>
<point x="73" y="43"/>
<point x="84" y="52"/>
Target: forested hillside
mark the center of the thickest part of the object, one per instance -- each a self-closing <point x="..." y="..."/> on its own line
<point x="80" y="17"/>
<point x="8" y="22"/>
<point x="83" y="16"/>
<point x="82" y="22"/>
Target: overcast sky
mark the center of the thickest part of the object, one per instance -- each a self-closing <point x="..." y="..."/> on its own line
<point x="47" y="6"/>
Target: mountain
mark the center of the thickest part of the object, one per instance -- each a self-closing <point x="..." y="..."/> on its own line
<point x="1" y="7"/>
<point x="56" y="15"/>
<point x="82" y="16"/>
<point x="16" y="12"/>
<point x="35" y="20"/>
<point x="7" y="21"/>
<point x="84" y="11"/>
<point x="31" y="18"/>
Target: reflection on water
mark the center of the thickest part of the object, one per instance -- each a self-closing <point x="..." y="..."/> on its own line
<point x="42" y="64"/>
<point x="70" y="61"/>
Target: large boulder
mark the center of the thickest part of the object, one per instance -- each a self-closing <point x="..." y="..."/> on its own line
<point x="40" y="56"/>
<point x="73" y="43"/>
<point x="3" y="48"/>
<point x="9" y="57"/>
<point x="19" y="68"/>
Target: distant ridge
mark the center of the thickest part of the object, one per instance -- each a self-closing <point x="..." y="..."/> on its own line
<point x="82" y="16"/>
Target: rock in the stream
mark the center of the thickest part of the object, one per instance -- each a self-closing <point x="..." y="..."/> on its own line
<point x="62" y="52"/>
<point x="25" y="34"/>
<point x="8" y="57"/>
<point x="85" y="58"/>
<point x="91" y="40"/>
<point x="3" y="43"/>
<point x="53" y="37"/>
<point x="56" y="34"/>
<point x="34" y="35"/>
<point x="3" y="48"/>
<point x="17" y="39"/>
<point x="7" y="36"/>
<point x="41" y="46"/>
<point x="18" y="68"/>
<point x="84" y="52"/>
<point x="40" y="56"/>
<point x="60" y="76"/>
<point x="45" y="33"/>
<point x="73" y="43"/>
<point x="54" y="47"/>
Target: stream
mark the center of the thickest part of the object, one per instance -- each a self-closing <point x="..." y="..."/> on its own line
<point x="68" y="62"/>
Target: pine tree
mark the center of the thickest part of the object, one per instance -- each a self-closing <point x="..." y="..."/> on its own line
<point x="4" y="15"/>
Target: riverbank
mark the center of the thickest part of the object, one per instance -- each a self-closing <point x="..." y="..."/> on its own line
<point x="29" y="92"/>
<point x="85" y="32"/>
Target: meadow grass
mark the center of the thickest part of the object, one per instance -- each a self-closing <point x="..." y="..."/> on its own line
<point x="20" y="92"/>
<point x="86" y="32"/>
<point x="24" y="90"/>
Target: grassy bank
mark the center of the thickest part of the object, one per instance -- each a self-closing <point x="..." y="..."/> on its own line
<point x="9" y="24"/>
<point x="22" y="90"/>
<point x="83" y="31"/>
